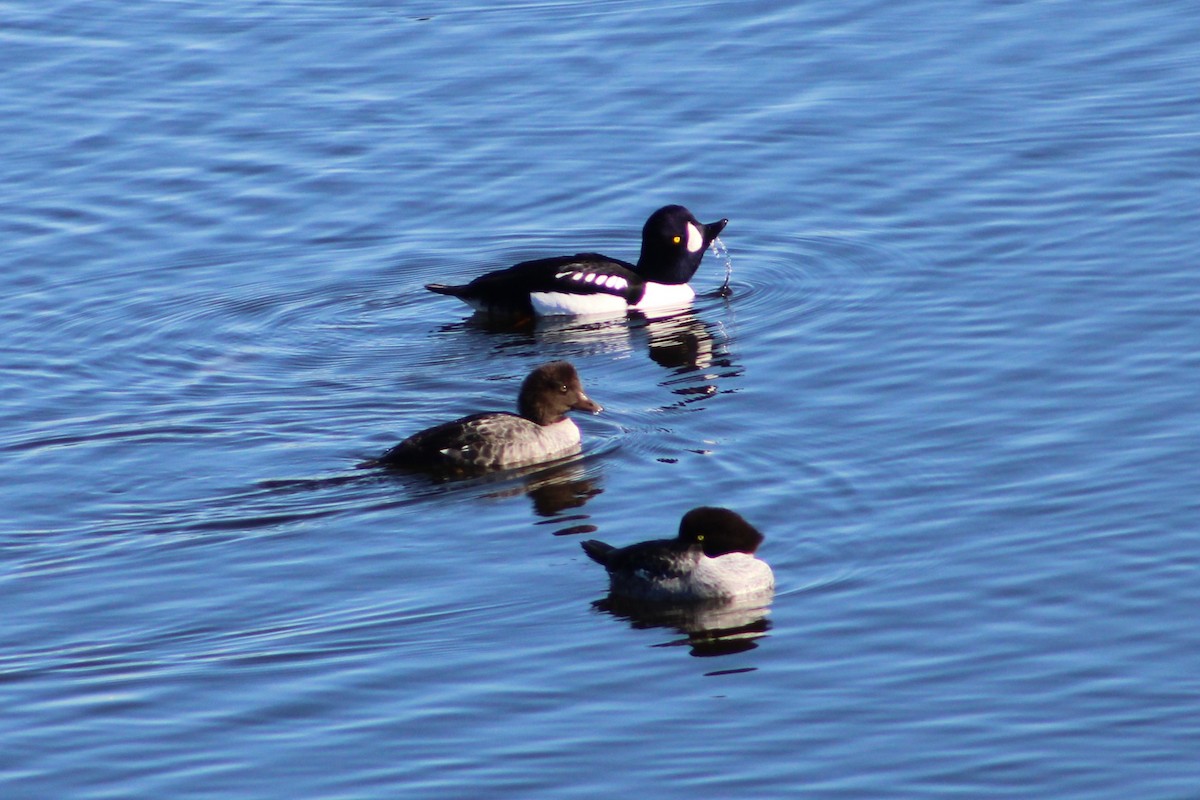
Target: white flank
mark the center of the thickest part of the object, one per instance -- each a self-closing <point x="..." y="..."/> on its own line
<point x="549" y="304"/>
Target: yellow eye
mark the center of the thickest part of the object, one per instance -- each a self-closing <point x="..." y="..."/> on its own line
<point x="699" y="538"/>
<point x="677" y="240"/>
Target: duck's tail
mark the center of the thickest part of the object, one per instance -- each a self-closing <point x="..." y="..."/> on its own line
<point x="597" y="551"/>
<point x="442" y="288"/>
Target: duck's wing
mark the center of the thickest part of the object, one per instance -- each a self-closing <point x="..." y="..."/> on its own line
<point x="659" y="559"/>
<point x="467" y="443"/>
<point x="583" y="273"/>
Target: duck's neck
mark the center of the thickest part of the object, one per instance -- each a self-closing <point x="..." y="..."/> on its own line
<point x="539" y="413"/>
<point x="667" y="268"/>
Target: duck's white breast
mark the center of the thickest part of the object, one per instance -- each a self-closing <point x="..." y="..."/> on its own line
<point x="543" y="443"/>
<point x="726" y="577"/>
<point x="731" y="575"/>
<point x="665" y="295"/>
<point x="561" y="437"/>
<point x="511" y="441"/>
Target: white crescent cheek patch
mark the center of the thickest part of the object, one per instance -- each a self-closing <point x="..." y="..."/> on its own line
<point x="695" y="239"/>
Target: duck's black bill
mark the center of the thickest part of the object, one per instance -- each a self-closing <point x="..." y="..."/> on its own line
<point x="713" y="229"/>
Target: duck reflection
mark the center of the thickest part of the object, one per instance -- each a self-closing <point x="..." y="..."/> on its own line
<point x="552" y="488"/>
<point x="678" y="340"/>
<point x="709" y="628"/>
<point x="697" y="352"/>
<point x="681" y="342"/>
<point x="555" y="489"/>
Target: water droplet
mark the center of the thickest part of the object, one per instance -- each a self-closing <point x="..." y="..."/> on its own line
<point x="722" y="252"/>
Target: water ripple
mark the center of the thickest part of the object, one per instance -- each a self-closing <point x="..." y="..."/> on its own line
<point x="783" y="278"/>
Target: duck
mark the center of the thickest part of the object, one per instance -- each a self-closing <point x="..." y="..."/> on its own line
<point x="673" y="243"/>
<point x="711" y="559"/>
<point x="540" y="431"/>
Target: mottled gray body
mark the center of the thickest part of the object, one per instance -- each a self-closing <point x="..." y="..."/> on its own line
<point x="493" y="440"/>
<point x="483" y="442"/>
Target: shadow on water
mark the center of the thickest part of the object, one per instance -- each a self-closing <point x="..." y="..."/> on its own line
<point x="556" y="489"/>
<point x="552" y="488"/>
<point x="712" y="628"/>
<point x="696" y="352"/>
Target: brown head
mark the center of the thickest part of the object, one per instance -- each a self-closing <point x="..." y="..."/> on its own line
<point x="550" y="391"/>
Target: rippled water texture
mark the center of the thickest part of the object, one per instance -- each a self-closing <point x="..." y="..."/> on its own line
<point x="953" y="381"/>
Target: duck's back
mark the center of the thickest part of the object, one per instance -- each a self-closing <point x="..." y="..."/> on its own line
<point x="582" y="283"/>
<point x="661" y="570"/>
<point x="481" y="442"/>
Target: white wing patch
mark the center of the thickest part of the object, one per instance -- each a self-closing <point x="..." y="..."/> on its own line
<point x="611" y="281"/>
<point x="695" y="239"/>
<point x="549" y="304"/>
<point x="615" y="281"/>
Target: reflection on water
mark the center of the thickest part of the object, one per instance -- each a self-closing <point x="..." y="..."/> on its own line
<point x="551" y="488"/>
<point x="682" y="341"/>
<point x="698" y="352"/>
<point x="674" y="340"/>
<point x="555" y="489"/>
<point x="553" y="497"/>
<point x="710" y="628"/>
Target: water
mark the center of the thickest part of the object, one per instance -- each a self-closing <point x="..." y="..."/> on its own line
<point x="954" y="383"/>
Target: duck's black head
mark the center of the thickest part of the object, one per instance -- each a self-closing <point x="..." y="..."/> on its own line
<point x="719" y="531"/>
<point x="673" y="242"/>
<point x="550" y="391"/>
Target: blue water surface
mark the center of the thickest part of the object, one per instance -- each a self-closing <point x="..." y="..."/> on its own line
<point x="955" y="384"/>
